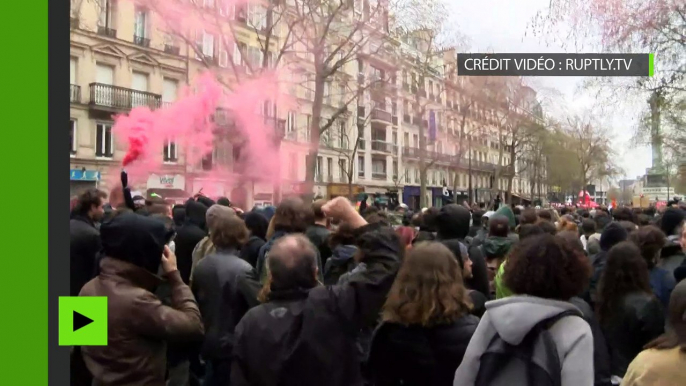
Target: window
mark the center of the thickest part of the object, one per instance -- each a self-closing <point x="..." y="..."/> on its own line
<point x="394" y="137"/>
<point x="406" y="139"/>
<point x="341" y="94"/>
<point x="205" y="45"/>
<point x="236" y="55"/>
<point x="257" y="17"/>
<point x="140" y="24"/>
<point x="72" y="70"/>
<point x="415" y="140"/>
<point x="290" y="125"/>
<point x="139" y="82"/>
<point x="342" y="136"/>
<point x="308" y="122"/>
<point x="255" y="57"/>
<point x="360" y="166"/>
<point x="223" y="56"/>
<point x="103" y="140"/>
<point x="329" y="168"/>
<point x="169" y="90"/>
<point x="379" y="166"/>
<point x="395" y="169"/>
<point x="72" y="137"/>
<point x="293" y="166"/>
<point x="343" y="169"/>
<point x="170" y="151"/>
<point x="416" y="176"/>
<point x="107" y="12"/>
<point x="318" y="168"/>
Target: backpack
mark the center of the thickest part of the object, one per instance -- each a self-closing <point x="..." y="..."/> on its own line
<point x="534" y="362"/>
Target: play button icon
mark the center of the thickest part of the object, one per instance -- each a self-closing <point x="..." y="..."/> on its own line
<point x="83" y="321"/>
<point x="80" y="321"/>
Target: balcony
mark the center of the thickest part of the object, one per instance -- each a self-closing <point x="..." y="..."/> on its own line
<point x="171" y="49"/>
<point x="141" y="41"/>
<point x="113" y="98"/>
<point x="382" y="146"/>
<point x="109" y="32"/>
<point x="381" y="116"/>
<point x="361" y="144"/>
<point x="74" y="93"/>
<point x="379" y="175"/>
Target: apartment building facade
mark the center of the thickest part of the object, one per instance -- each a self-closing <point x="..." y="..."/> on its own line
<point x="119" y="61"/>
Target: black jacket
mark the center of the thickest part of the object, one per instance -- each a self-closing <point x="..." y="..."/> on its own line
<point x="319" y="236"/>
<point x="638" y="320"/>
<point x="340" y="263"/>
<point x="307" y="337"/>
<point x="221" y="304"/>
<point x="601" y="357"/>
<point x="251" y="250"/>
<point x="188" y="236"/>
<point x="453" y="224"/>
<point x="84" y="245"/>
<point x="419" y="356"/>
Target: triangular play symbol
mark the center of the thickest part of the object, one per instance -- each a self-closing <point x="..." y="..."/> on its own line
<point x="81" y="321"/>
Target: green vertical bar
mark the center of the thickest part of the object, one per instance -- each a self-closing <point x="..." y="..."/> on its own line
<point x="24" y="160"/>
<point x="651" y="67"/>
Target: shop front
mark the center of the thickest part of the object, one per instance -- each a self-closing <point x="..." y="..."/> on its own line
<point x="337" y="190"/>
<point x="82" y="179"/>
<point x="171" y="187"/>
<point x="263" y="194"/>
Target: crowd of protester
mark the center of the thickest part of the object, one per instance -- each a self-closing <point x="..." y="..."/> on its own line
<point x="323" y="294"/>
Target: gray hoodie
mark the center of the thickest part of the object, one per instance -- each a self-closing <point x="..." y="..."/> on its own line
<point x="512" y="318"/>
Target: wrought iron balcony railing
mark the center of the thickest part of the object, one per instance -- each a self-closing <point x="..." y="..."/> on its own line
<point x="141" y="41"/>
<point x="115" y="97"/>
<point x="109" y="32"/>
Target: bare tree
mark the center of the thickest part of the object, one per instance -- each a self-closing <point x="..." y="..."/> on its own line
<point x="590" y="146"/>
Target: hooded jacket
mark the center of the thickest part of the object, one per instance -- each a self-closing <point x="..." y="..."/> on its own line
<point x="139" y="325"/>
<point x="341" y="262"/>
<point x="512" y="319"/>
<point x="188" y="236"/>
<point x="511" y="222"/>
<point x="453" y="224"/>
<point x="319" y="236"/>
<point x="251" y="250"/>
<point x="672" y="255"/>
<point x="495" y="246"/>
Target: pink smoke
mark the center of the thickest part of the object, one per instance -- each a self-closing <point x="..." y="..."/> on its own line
<point x="189" y="122"/>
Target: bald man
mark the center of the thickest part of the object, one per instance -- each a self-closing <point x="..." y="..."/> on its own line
<point x="304" y="331"/>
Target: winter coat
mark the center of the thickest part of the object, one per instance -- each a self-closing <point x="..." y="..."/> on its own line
<point x="420" y="356"/>
<point x="672" y="255"/>
<point x="203" y="248"/>
<point x="307" y="337"/>
<point x="222" y="305"/>
<point x="138" y="324"/>
<point x="495" y="246"/>
<point x="512" y="319"/>
<point x="507" y="212"/>
<point x="84" y="245"/>
<point x="188" y="236"/>
<point x="453" y="224"/>
<point x="341" y="262"/>
<point x="612" y="235"/>
<point x="261" y="266"/>
<point x="638" y="320"/>
<point x="251" y="250"/>
<point x="655" y="367"/>
<point x="662" y="283"/>
<point x="319" y="236"/>
<point x="601" y="357"/>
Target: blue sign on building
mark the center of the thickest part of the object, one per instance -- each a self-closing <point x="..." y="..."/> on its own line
<point x="84" y="175"/>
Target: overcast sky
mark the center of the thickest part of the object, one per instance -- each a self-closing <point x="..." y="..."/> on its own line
<point x="501" y="25"/>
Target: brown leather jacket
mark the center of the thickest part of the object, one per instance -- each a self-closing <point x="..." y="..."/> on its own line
<point x="139" y="325"/>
